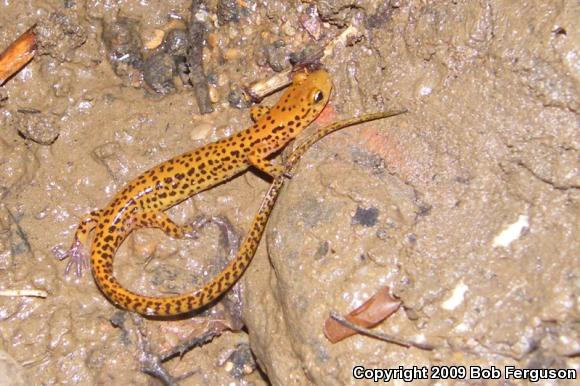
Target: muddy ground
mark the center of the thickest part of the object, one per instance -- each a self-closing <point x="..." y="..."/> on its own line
<point x="467" y="207"/>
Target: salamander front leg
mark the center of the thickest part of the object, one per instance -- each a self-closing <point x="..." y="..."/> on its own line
<point x="259" y="162"/>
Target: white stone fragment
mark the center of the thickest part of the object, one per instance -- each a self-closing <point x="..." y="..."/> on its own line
<point x="456" y="297"/>
<point x="511" y="232"/>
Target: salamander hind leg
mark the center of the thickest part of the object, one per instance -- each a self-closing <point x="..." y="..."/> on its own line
<point x="161" y="221"/>
<point x="77" y="252"/>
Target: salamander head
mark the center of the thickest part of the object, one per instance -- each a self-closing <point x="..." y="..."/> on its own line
<point x="304" y="100"/>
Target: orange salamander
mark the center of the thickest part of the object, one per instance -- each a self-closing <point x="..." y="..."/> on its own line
<point x="143" y="201"/>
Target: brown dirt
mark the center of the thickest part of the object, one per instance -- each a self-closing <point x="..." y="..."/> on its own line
<point x="467" y="207"/>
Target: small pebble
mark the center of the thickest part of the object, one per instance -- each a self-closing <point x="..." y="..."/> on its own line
<point x="276" y="56"/>
<point x="111" y="155"/>
<point x="201" y="131"/>
<point x="214" y="95"/>
<point x="213" y="40"/>
<point x="124" y="47"/>
<point x="175" y="43"/>
<point x="288" y="29"/>
<point x="155" y="39"/>
<point x="158" y="73"/>
<point x="365" y="217"/>
<point x="123" y="42"/>
<point x="59" y="34"/>
<point x="232" y="54"/>
<point x="37" y="127"/>
<point x="238" y="98"/>
<point x="310" y="54"/>
<point x="228" y="11"/>
<point x="311" y="22"/>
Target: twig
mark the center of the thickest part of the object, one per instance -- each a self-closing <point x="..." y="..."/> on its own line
<point x="20" y="232"/>
<point x="150" y="363"/>
<point x="184" y="347"/>
<point x="196" y="39"/>
<point x="257" y="91"/>
<point x="342" y="39"/>
<point x="17" y="55"/>
<point x="24" y="292"/>
<point x="381" y="336"/>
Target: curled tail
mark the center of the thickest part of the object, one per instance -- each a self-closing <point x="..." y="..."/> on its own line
<point x="102" y="266"/>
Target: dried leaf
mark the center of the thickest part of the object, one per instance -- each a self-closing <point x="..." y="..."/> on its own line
<point x="369" y="314"/>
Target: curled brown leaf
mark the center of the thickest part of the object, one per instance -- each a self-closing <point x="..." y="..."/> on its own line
<point x="372" y="312"/>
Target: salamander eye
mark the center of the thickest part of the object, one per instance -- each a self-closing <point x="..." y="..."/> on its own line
<point x="318" y="96"/>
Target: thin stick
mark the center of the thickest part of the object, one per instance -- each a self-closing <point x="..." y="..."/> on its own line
<point x="24" y="293"/>
<point x="380" y="335"/>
